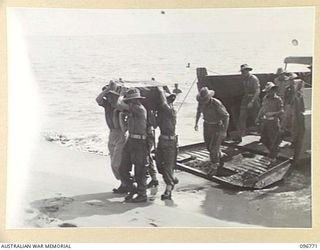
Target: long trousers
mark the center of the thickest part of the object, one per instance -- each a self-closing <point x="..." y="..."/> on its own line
<point x="213" y="137"/>
<point x="117" y="140"/>
<point x="151" y="167"/>
<point x="298" y="133"/>
<point x="270" y="136"/>
<point x="135" y="153"/>
<point x="246" y="113"/>
<point x="166" y="159"/>
<point x="286" y="118"/>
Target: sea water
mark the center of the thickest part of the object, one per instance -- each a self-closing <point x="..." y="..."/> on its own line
<point x="70" y="71"/>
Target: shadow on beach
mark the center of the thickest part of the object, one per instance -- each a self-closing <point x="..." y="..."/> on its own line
<point x="72" y="189"/>
<point x="69" y="208"/>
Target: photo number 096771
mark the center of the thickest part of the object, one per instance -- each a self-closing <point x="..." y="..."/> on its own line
<point x="307" y="246"/>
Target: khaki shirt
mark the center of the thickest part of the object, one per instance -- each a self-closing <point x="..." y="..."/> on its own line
<point x="213" y="111"/>
<point x="272" y="104"/>
<point x="251" y="85"/>
<point x="282" y="86"/>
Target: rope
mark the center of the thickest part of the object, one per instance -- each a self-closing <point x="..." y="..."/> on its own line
<point x="307" y="84"/>
<point x="195" y="80"/>
<point x="184" y="99"/>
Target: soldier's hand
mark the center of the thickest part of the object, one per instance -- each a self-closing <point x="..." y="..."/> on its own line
<point x="196" y="128"/>
<point x="123" y="91"/>
<point x="250" y="105"/>
<point x="105" y="87"/>
<point x="268" y="114"/>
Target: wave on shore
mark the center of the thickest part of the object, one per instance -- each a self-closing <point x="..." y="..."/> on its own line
<point x="93" y="143"/>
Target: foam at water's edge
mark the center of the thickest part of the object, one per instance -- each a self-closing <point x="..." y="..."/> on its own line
<point x="90" y="143"/>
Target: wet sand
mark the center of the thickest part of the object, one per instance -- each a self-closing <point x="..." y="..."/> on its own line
<point x="70" y="188"/>
<point x="66" y="188"/>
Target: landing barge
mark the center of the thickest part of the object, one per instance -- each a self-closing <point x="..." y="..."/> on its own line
<point x="243" y="168"/>
<point x="246" y="165"/>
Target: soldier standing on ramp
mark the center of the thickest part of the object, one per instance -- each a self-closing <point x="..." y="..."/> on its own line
<point x="166" y="152"/>
<point x="215" y="126"/>
<point x="269" y="115"/>
<point x="250" y="100"/>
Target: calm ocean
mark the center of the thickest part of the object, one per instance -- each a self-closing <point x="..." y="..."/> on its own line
<point x="70" y="71"/>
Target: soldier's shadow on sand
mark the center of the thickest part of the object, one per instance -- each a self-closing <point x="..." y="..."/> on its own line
<point x="68" y="208"/>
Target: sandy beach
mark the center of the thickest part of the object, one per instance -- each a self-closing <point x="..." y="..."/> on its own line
<point x="68" y="188"/>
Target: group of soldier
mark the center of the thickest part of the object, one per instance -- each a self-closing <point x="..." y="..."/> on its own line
<point x="124" y="112"/>
<point x="278" y="115"/>
<point x="281" y="112"/>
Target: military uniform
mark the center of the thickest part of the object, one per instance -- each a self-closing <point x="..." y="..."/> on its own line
<point x="167" y="144"/>
<point x="298" y="123"/>
<point x="135" y="151"/>
<point x="117" y="137"/>
<point x="294" y="100"/>
<point x="150" y="145"/>
<point x="251" y="87"/>
<point x="215" y="117"/>
<point x="284" y="91"/>
<point x="270" y="127"/>
<point x="282" y="86"/>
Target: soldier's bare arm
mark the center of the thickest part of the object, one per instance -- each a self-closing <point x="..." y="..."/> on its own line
<point x="256" y="93"/>
<point x="121" y="105"/>
<point x="101" y="98"/>
<point x="163" y="100"/>
<point x="198" y="115"/>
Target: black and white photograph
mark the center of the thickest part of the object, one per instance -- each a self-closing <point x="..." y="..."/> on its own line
<point x="160" y="118"/>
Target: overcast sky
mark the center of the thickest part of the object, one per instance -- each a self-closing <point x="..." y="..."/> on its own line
<point x="142" y="21"/>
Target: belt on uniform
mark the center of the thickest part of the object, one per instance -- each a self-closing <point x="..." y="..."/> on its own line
<point x="168" y="137"/>
<point x="139" y="137"/>
<point x="212" y="123"/>
<point x="269" y="118"/>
